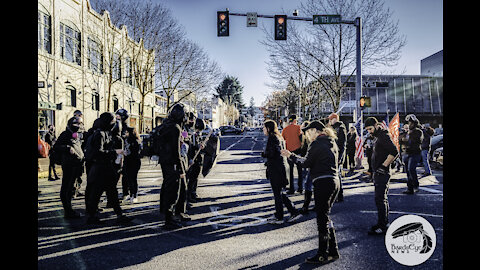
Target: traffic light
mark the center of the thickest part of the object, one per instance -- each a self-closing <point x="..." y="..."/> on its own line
<point x="222" y="24"/>
<point x="280" y="27"/>
<point x="365" y="102"/>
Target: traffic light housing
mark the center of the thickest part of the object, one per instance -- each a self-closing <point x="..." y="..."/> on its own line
<point x="222" y="24"/>
<point x="365" y="102"/>
<point x="280" y="27"/>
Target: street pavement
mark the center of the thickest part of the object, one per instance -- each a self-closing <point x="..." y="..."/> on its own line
<point x="228" y="229"/>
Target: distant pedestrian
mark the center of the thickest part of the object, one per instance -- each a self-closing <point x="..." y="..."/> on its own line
<point x="322" y="159"/>
<point x="277" y="173"/>
<point x="426" y="145"/>
<point x="308" y="185"/>
<point x="384" y="153"/>
<point x="51" y="138"/>
<point x="131" y="165"/>
<point x="368" y="145"/>
<point x="403" y="140"/>
<point x="81" y="135"/>
<point x="351" y="148"/>
<point x="70" y="147"/>
<point x="341" y="140"/>
<point x="414" y="153"/>
<point x="293" y="138"/>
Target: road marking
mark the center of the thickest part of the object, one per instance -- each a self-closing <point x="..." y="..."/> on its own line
<point x="404" y="213"/>
<point x="232" y="221"/>
<point x="228" y="148"/>
<point x="430" y="190"/>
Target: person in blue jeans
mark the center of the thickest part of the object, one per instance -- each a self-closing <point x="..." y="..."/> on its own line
<point x="414" y="153"/>
<point x="426" y="143"/>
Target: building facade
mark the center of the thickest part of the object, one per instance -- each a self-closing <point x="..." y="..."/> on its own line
<point x="84" y="64"/>
<point x="432" y="65"/>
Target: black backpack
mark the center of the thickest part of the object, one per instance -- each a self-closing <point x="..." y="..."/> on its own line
<point x="56" y="155"/>
<point x="89" y="152"/>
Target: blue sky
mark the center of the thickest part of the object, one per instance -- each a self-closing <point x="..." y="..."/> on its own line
<point x="241" y="55"/>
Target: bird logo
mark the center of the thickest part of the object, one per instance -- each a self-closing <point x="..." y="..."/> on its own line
<point x="410" y="229"/>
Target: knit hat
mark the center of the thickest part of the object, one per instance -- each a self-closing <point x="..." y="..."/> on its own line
<point x="332" y="115"/>
<point x="371" y="121"/>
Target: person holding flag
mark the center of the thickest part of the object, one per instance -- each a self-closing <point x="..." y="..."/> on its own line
<point x="384" y="153"/>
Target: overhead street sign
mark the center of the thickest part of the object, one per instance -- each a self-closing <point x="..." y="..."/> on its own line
<point x="251" y="19"/>
<point x="326" y="19"/>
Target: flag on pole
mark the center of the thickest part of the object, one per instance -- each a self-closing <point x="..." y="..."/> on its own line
<point x="384" y="123"/>
<point x="359" y="140"/>
<point x="394" y="129"/>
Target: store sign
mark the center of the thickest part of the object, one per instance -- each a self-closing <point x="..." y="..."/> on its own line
<point x="46" y="105"/>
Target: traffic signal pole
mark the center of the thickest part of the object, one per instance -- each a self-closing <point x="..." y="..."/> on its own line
<point x="322" y="19"/>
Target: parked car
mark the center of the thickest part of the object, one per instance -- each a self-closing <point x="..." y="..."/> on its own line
<point x="230" y="130"/>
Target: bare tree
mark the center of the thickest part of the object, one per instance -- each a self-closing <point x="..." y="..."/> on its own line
<point x="326" y="52"/>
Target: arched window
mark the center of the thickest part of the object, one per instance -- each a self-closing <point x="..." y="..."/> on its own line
<point x="95" y="55"/>
<point x="44" y="31"/>
<point x="115" y="103"/>
<point x="72" y="94"/>
<point x="95" y="101"/>
<point x="70" y="43"/>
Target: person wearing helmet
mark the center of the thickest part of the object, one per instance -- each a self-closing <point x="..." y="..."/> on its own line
<point x="122" y="115"/>
<point x="414" y="153"/>
<point x="173" y="168"/>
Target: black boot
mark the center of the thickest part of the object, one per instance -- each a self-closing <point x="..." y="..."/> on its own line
<point x="332" y="245"/>
<point x="321" y="257"/>
<point x="306" y="203"/>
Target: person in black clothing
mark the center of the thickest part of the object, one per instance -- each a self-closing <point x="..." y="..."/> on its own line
<point x="122" y="115"/>
<point x="81" y="133"/>
<point x="414" y="153"/>
<point x="426" y="144"/>
<point x="341" y="134"/>
<point x="196" y="165"/>
<point x="131" y="164"/>
<point x="95" y="126"/>
<point x="69" y="145"/>
<point x="368" y="144"/>
<point x="322" y="159"/>
<point x="277" y="173"/>
<point x="171" y="164"/>
<point x="101" y="174"/>
<point x="384" y="153"/>
<point x="351" y="138"/>
<point x="50" y="138"/>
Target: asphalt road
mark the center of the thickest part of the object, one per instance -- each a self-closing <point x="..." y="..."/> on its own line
<point x="228" y="229"/>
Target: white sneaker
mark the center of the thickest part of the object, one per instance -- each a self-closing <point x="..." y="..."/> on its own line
<point x="274" y="220"/>
<point x="134" y="200"/>
<point x="126" y="199"/>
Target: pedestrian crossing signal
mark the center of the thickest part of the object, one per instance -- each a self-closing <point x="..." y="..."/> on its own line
<point x="280" y="27"/>
<point x="222" y="24"/>
<point x="365" y="102"/>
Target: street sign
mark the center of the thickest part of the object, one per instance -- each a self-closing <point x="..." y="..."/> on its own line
<point x="41" y="84"/>
<point x="326" y="19"/>
<point x="251" y="19"/>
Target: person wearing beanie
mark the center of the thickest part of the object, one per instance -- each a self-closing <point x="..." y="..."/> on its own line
<point x="341" y="131"/>
<point x="384" y="153"/>
<point x="414" y="153"/>
<point x="322" y="160"/>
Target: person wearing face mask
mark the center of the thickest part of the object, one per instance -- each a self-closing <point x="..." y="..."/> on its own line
<point x="414" y="153"/>
<point x="122" y="115"/>
<point x="170" y="159"/>
<point x="102" y="173"/>
<point x="384" y="153"/>
<point x="322" y="159"/>
<point x="70" y="147"/>
<point x="51" y="138"/>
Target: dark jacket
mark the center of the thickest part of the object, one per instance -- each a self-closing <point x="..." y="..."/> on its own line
<point x="321" y="158"/>
<point x="351" y="138"/>
<point x="171" y="135"/>
<point x="414" y="144"/>
<point x="277" y="166"/>
<point x="382" y="147"/>
<point x="50" y="138"/>
<point x="64" y="143"/>
<point x="427" y="138"/>
<point x="341" y="140"/>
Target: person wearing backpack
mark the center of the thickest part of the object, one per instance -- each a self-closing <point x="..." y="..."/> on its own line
<point x="51" y="138"/>
<point x="101" y="176"/>
<point x="70" y="147"/>
<point x="131" y="165"/>
<point x="166" y="141"/>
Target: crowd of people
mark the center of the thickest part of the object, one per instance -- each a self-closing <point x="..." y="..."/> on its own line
<point x="111" y="150"/>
